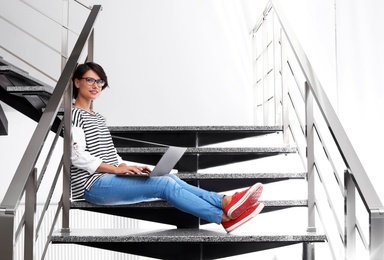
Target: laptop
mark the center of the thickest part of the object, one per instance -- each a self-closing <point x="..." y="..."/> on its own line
<point x="166" y="163"/>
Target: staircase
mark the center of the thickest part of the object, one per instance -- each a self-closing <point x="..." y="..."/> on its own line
<point x="209" y="147"/>
<point x="299" y="127"/>
<point x="187" y="237"/>
<point x="24" y="93"/>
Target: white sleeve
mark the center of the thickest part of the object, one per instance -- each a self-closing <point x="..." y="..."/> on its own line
<point x="81" y="158"/>
<point x="119" y="159"/>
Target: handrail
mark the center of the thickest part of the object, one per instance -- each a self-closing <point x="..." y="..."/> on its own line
<point x="51" y="18"/>
<point x="64" y="26"/>
<point x="352" y="160"/>
<point x="355" y="176"/>
<point x="13" y="195"/>
<point x="26" y="168"/>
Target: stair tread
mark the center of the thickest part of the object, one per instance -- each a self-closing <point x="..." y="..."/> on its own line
<point x="175" y="235"/>
<point x="10" y="69"/>
<point x="266" y="175"/>
<point x="228" y="128"/>
<point x="162" y="204"/>
<point x="23" y="89"/>
<point x="210" y="150"/>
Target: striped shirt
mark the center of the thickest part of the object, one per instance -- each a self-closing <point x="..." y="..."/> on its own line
<point x="91" y="145"/>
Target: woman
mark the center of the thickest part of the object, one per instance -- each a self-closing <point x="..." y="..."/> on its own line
<point x="96" y="167"/>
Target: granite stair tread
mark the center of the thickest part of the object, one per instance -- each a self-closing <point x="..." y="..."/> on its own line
<point x="175" y="235"/>
<point x="218" y="128"/>
<point x="241" y="175"/>
<point x="210" y="150"/>
<point x="163" y="204"/>
<point x="23" y="92"/>
<point x="181" y="243"/>
<point x="19" y="79"/>
<point x="196" y="158"/>
<point x="187" y="136"/>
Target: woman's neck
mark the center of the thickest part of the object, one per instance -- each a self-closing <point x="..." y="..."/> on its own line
<point x="84" y="105"/>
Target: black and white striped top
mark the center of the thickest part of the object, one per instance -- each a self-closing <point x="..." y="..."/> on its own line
<point x="91" y="145"/>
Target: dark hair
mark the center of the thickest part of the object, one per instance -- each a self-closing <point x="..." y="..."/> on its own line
<point x="82" y="69"/>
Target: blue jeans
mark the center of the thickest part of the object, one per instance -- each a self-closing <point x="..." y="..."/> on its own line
<point x="112" y="189"/>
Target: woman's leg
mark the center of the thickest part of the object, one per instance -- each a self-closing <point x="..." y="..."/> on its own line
<point x="113" y="190"/>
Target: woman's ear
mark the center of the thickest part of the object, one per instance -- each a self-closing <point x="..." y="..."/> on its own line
<point x="77" y="83"/>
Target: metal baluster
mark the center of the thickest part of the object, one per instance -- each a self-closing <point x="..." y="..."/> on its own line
<point x="284" y="86"/>
<point x="350" y="217"/>
<point x="309" y="247"/>
<point x="30" y="210"/>
<point x="265" y="52"/>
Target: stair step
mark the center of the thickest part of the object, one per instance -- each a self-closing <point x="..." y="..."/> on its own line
<point x="20" y="78"/>
<point x="180" y="243"/>
<point x="202" y="157"/>
<point x="220" y="182"/>
<point x="30" y="89"/>
<point x="187" y="136"/>
<point x="24" y="93"/>
<point x="161" y="212"/>
<point x="156" y="204"/>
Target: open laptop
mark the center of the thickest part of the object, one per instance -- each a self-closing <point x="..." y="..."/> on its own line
<point x="166" y="163"/>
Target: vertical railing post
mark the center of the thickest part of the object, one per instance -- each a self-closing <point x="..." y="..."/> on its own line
<point x="276" y="71"/>
<point x="91" y="45"/>
<point x="284" y="89"/>
<point x="376" y="231"/>
<point x="255" y="78"/>
<point x="7" y="220"/>
<point x="67" y="157"/>
<point x="30" y="211"/>
<point x="64" y="34"/>
<point x="265" y="76"/>
<point x="350" y="217"/>
<point x="309" y="247"/>
<point x="67" y="123"/>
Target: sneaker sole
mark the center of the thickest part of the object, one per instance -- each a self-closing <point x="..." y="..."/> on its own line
<point x="249" y="217"/>
<point x="247" y="201"/>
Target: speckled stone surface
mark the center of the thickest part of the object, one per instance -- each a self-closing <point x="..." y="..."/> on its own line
<point x="218" y="176"/>
<point x="163" y="204"/>
<point x="24" y="74"/>
<point x="193" y="128"/>
<point x="173" y="235"/>
<point x="211" y="150"/>
<point x="45" y="88"/>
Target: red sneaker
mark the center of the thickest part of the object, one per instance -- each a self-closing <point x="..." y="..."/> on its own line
<point x="247" y="215"/>
<point x="243" y="200"/>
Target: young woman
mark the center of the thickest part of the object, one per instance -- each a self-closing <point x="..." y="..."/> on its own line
<point x="96" y="167"/>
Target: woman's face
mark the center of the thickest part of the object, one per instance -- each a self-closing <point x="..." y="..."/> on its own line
<point x="87" y="90"/>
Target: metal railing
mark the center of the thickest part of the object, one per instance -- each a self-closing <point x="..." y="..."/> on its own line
<point x="288" y="93"/>
<point x="25" y="183"/>
<point x="63" y="52"/>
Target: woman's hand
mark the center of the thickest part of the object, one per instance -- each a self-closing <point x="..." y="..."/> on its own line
<point x="132" y="169"/>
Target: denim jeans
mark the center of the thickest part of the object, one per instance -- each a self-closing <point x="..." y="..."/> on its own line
<point x="112" y="189"/>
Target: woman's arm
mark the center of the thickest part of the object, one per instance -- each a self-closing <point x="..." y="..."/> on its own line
<point x="80" y="158"/>
<point x="84" y="160"/>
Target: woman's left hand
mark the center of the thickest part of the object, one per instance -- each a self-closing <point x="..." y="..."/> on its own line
<point x="133" y="169"/>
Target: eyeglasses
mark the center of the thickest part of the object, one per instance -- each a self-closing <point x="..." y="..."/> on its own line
<point x="90" y="81"/>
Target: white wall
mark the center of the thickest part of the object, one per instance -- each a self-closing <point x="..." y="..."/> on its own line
<point x="176" y="62"/>
<point x="360" y="68"/>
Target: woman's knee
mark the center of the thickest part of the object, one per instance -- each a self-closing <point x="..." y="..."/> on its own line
<point x="172" y="176"/>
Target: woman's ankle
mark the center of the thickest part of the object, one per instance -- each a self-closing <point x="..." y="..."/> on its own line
<point x="226" y="200"/>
